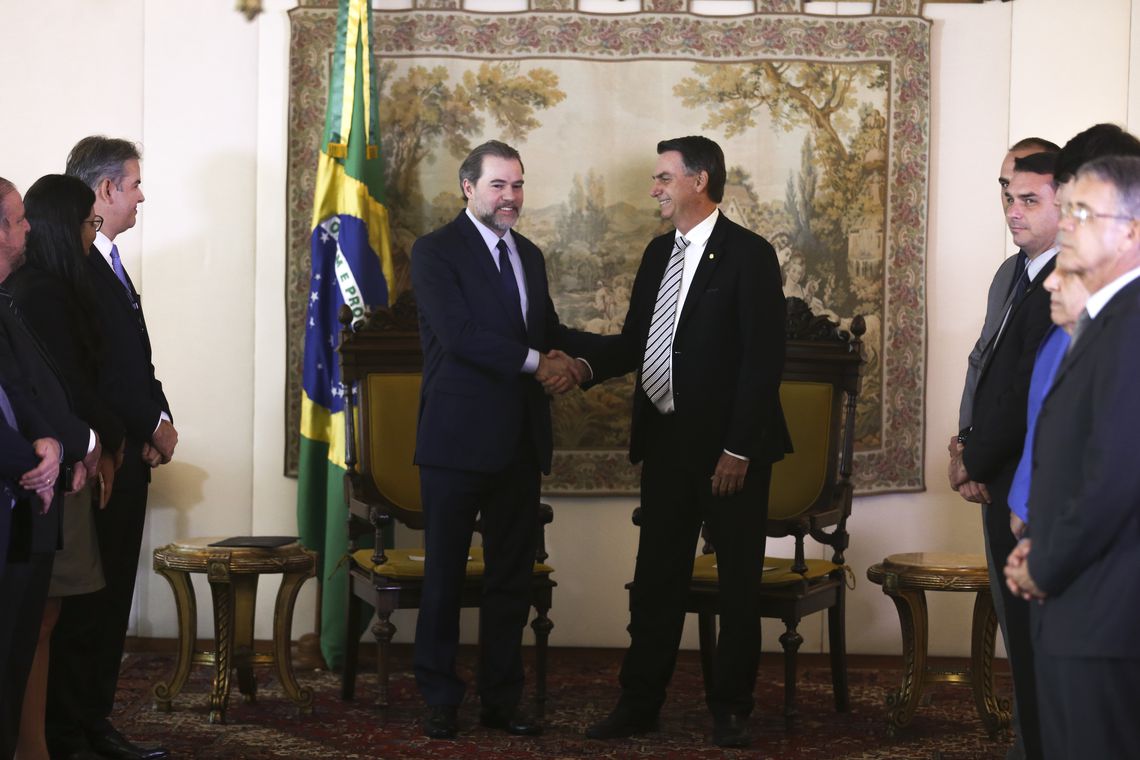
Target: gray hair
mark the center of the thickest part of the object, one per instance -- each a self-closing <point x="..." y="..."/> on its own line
<point x="1123" y="173"/>
<point x="96" y="158"/>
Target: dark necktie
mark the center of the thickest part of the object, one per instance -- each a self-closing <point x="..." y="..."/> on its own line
<point x="508" y="282"/>
<point x="658" y="346"/>
<point x="1018" y="276"/>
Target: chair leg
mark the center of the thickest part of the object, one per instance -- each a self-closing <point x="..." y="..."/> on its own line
<point x="383" y="630"/>
<point x="706" y="629"/>
<point x="837" y="641"/>
<point x="542" y="626"/>
<point x="790" y="640"/>
<point x="351" y="646"/>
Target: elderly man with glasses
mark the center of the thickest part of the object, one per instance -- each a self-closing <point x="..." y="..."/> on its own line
<point x="1080" y="564"/>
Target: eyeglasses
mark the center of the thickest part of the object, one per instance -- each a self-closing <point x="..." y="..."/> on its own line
<point x="95" y="221"/>
<point x="1083" y="214"/>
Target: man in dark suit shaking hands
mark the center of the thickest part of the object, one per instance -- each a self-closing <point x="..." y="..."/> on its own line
<point x="487" y="325"/>
<point x="705" y="333"/>
<point x="1080" y="562"/>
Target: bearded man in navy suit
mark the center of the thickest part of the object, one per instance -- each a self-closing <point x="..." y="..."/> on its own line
<point x="487" y="326"/>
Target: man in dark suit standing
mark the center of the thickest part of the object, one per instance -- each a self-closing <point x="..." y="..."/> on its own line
<point x="992" y="446"/>
<point x="705" y="333"/>
<point x="1080" y="564"/>
<point x="486" y="323"/>
<point x="87" y="644"/>
<point x="42" y="412"/>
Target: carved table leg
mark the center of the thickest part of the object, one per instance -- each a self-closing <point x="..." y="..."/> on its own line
<point x="244" y="590"/>
<point x="911" y="607"/>
<point x="542" y="627"/>
<point x="187" y="607"/>
<point x="995" y="715"/>
<point x="221" y="591"/>
<point x="282" y="634"/>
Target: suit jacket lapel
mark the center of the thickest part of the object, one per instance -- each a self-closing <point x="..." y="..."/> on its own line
<point x="535" y="289"/>
<point x="710" y="259"/>
<point x="482" y="261"/>
<point x="1091" y="334"/>
<point x="1035" y="285"/>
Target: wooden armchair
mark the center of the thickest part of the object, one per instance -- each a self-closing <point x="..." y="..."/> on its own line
<point x="810" y="492"/>
<point x="381" y="367"/>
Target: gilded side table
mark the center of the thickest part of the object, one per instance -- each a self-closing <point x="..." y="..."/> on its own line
<point x="906" y="578"/>
<point x="232" y="573"/>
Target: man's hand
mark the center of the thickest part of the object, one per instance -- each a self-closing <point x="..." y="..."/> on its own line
<point x="558" y="372"/>
<point x="78" y="479"/>
<point x="728" y="477"/>
<point x="974" y="491"/>
<point x="1017" y="576"/>
<point x="45" y="473"/>
<point x="1017" y="526"/>
<point x="151" y="455"/>
<point x="107" y="467"/>
<point x="91" y="461"/>
<point x="956" y="469"/>
<point x="164" y="439"/>
<point x="41" y="478"/>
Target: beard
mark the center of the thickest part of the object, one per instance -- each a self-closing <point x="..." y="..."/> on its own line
<point x="494" y="216"/>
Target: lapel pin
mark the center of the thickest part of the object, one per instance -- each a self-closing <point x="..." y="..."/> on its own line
<point x="712" y="255"/>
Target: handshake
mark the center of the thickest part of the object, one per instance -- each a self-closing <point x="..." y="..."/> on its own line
<point x="559" y="373"/>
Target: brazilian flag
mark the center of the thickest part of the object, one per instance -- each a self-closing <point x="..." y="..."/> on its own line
<point x="351" y="264"/>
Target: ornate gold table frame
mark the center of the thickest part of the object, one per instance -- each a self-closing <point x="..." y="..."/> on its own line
<point x="232" y="573"/>
<point x="906" y="578"/>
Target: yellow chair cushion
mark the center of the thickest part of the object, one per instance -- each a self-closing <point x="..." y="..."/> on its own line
<point x="393" y="411"/>
<point x="777" y="570"/>
<point x="409" y="563"/>
<point x="798" y="479"/>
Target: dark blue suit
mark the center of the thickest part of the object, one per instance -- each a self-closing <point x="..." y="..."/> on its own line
<point x="484" y="435"/>
<point x="1084" y="510"/>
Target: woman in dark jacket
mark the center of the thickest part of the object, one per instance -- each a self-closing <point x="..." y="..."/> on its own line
<point x="57" y="302"/>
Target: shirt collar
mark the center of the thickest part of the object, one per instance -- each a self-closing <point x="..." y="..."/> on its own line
<point x="1034" y="266"/>
<point x="699" y="235"/>
<point x="104" y="245"/>
<point x="1098" y="300"/>
<point x="490" y="237"/>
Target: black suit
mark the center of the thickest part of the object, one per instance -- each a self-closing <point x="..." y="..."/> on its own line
<point x="728" y="354"/>
<point x="24" y="587"/>
<point x="484" y="435"/>
<point x="1084" y="517"/>
<point x="992" y="452"/>
<point x="87" y="644"/>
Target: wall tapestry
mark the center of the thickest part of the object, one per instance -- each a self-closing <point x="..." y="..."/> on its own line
<point x="824" y="121"/>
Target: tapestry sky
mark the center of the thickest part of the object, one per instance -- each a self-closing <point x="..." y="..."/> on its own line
<point x="351" y="264"/>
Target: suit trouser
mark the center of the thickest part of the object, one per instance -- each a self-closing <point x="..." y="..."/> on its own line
<point x="507" y="504"/>
<point x="87" y="644"/>
<point x="676" y="498"/>
<point x="1013" y="617"/>
<point x="1088" y="707"/>
<point x="23" y="591"/>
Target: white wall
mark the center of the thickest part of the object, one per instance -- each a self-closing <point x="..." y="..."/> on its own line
<point x="205" y="91"/>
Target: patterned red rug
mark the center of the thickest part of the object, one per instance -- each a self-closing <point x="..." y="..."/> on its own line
<point x="582" y="689"/>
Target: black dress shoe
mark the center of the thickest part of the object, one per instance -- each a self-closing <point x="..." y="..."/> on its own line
<point x="623" y="722"/>
<point x="731" y="731"/>
<point x="442" y="722"/>
<point x="514" y="720"/>
<point x="114" y="745"/>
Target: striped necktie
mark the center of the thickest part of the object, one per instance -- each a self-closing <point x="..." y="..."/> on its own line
<point x="656" y="366"/>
